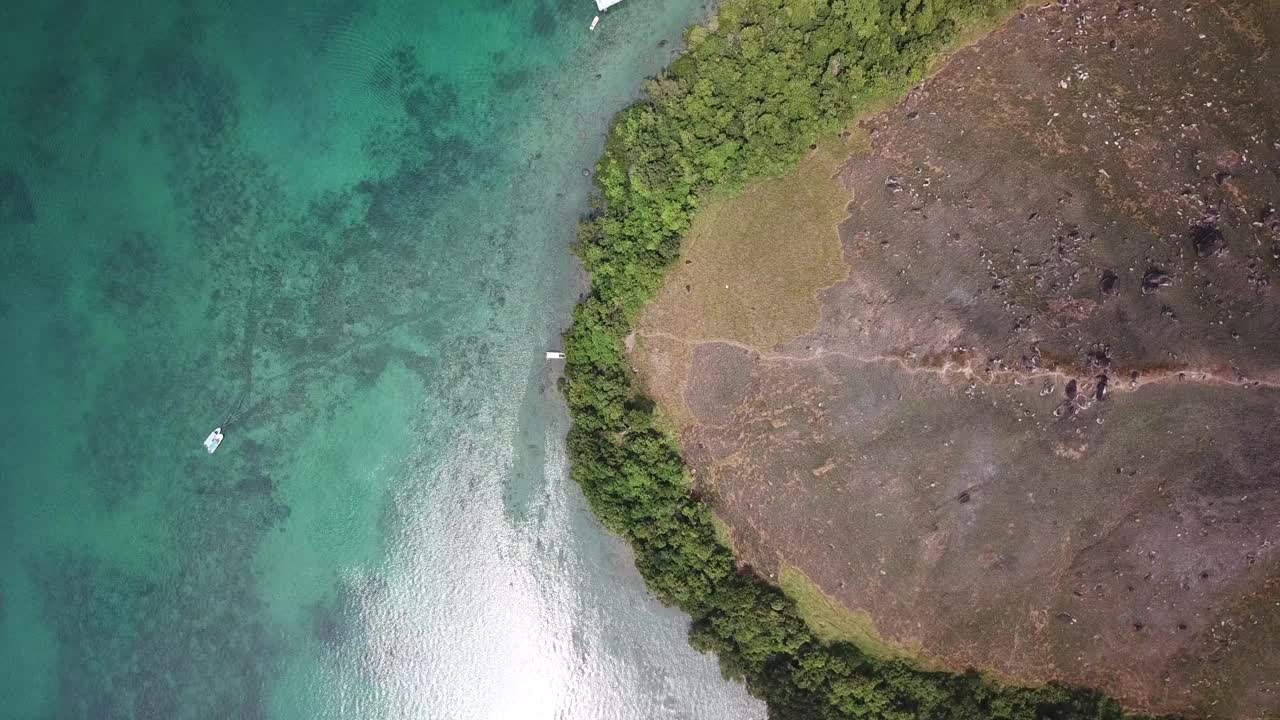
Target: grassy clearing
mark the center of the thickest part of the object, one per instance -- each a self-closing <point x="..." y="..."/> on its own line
<point x="755" y="259"/>
<point x="724" y="533"/>
<point x="832" y="622"/>
<point x="663" y="366"/>
<point x="749" y="272"/>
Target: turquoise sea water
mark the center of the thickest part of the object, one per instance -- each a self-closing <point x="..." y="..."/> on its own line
<point x="344" y="225"/>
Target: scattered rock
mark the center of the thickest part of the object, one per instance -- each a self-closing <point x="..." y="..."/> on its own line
<point x="893" y="183"/>
<point x="1100" y="391"/>
<point x="1099" y="356"/>
<point x="1071" y="389"/>
<point x="1066" y="408"/>
<point x="1107" y="285"/>
<point x="1084" y="399"/>
<point x="1154" y="280"/>
<point x="964" y="497"/>
<point x="1065" y="618"/>
<point x="1208" y="241"/>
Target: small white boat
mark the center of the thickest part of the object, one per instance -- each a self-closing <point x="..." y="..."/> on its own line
<point x="212" y="442"/>
<point x="595" y="21"/>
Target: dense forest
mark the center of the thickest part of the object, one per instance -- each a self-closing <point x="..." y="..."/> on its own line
<point x="760" y="82"/>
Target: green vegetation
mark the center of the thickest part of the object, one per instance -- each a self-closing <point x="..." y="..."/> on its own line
<point x="831" y="622"/>
<point x="724" y="534"/>
<point x="758" y="85"/>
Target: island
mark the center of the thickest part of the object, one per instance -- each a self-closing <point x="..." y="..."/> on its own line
<point x="932" y="360"/>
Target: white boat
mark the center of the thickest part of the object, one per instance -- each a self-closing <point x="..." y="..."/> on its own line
<point x="212" y="442"/>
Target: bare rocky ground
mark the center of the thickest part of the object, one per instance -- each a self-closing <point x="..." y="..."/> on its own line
<point x="1037" y="428"/>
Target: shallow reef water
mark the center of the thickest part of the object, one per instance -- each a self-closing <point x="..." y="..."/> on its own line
<point x="340" y="229"/>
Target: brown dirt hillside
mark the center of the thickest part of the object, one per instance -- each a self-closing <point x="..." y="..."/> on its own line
<point x="1006" y="381"/>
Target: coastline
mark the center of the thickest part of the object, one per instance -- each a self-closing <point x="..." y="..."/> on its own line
<point x="381" y="524"/>
<point x="651" y="178"/>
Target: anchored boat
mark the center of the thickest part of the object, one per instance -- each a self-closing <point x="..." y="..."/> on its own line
<point x="212" y="442"/>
